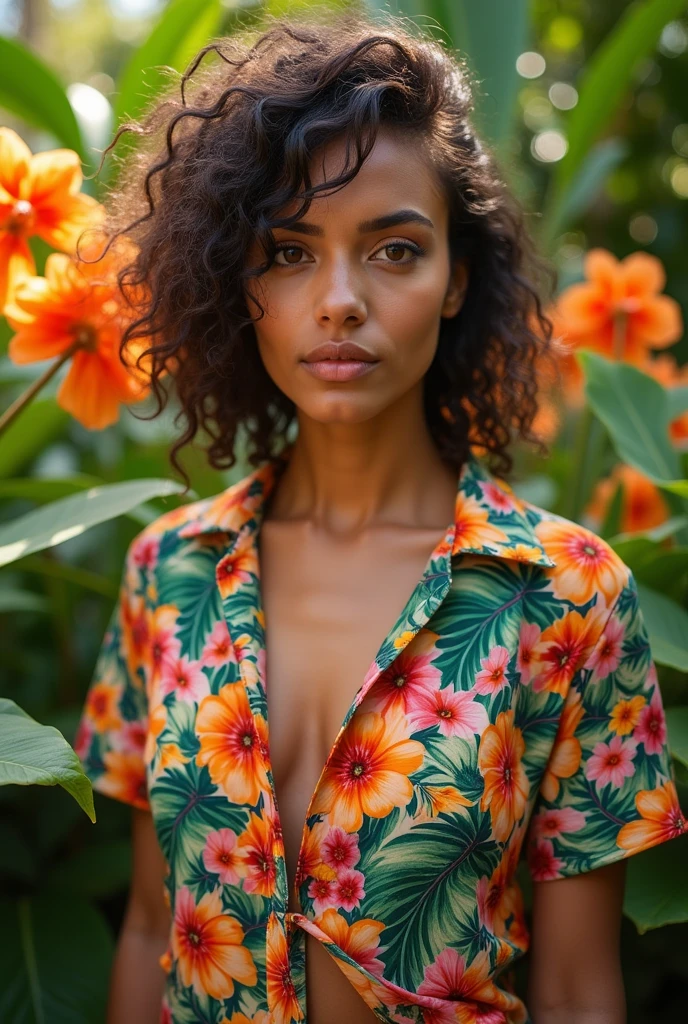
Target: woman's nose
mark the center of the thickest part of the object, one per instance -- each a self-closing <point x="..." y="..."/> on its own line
<point x="340" y="297"/>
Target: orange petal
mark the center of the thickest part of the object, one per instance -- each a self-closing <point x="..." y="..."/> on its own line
<point x="33" y="343"/>
<point x="86" y="392"/>
<point x="642" y="273"/>
<point x="658" y="323"/>
<point x="60" y="223"/>
<point x="603" y="269"/>
<point x="582" y="309"/>
<point x="15" y="160"/>
<point x="54" y="173"/>
<point x="16" y="265"/>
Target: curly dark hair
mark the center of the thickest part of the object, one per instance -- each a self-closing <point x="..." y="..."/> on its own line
<point x="236" y="154"/>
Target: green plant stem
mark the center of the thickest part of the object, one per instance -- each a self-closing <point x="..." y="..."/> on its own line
<point x="580" y="452"/>
<point x="27" y="396"/>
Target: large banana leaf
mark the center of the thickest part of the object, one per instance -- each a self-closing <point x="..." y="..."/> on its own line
<point x="32" y="754"/>
<point x="165" y="47"/>
<point x="61" y="520"/>
<point x="635" y="410"/>
<point x="32" y="91"/>
<point x="605" y="81"/>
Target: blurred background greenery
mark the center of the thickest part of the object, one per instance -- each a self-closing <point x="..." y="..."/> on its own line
<point x="586" y="106"/>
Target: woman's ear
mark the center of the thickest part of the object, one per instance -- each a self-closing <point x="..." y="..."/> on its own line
<point x="456" y="289"/>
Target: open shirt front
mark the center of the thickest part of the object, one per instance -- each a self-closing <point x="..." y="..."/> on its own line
<point x="514" y="704"/>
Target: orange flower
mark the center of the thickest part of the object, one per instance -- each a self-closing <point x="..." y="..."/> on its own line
<point x="626" y="714"/>
<point x="585" y="562"/>
<point x="208" y="946"/>
<point x="235" y="569"/>
<point x="102" y="706"/>
<point x="39" y="195"/>
<point x="566" y="750"/>
<point x="506" y="784"/>
<point x="282" y="1002"/>
<point x="233" y="741"/>
<point x="360" y="942"/>
<point x="562" y="647"/>
<point x="473" y="528"/>
<point x="125" y="778"/>
<point x="618" y="311"/>
<point x="257" y="863"/>
<point x="78" y="303"/>
<point x="642" y="503"/>
<point x="368" y="772"/>
<point x="661" y="819"/>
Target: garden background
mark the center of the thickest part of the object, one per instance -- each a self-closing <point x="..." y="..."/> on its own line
<point x="586" y="105"/>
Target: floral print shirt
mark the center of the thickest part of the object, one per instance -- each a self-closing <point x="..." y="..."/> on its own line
<point x="512" y="708"/>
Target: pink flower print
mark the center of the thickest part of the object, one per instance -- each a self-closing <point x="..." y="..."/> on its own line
<point x="551" y="824"/>
<point x="497" y="498"/>
<point x="145" y="552"/>
<point x="164" y="645"/>
<point x="493" y="678"/>
<point x="340" y="850"/>
<point x="651" y="728"/>
<point x="218" y="650"/>
<point x="220" y="855"/>
<point x="606" y="656"/>
<point x="348" y="889"/>
<point x="403" y="683"/>
<point x="131" y="738"/>
<point x="322" y="892"/>
<point x="84" y="735"/>
<point x="456" y="714"/>
<point x="529" y="637"/>
<point x="611" y="762"/>
<point x="185" y="679"/>
<point x="544" y="866"/>
<point x="651" y="680"/>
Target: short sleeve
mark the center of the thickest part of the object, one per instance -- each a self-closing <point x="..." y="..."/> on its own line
<point x="111" y="737"/>
<point x="608" y="790"/>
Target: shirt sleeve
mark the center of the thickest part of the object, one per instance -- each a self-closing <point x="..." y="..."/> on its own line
<point x="608" y="790"/>
<point x="111" y="737"/>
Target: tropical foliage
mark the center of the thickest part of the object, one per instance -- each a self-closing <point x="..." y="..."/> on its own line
<point x="80" y="473"/>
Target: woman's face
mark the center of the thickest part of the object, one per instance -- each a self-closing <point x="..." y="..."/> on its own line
<point x="340" y="277"/>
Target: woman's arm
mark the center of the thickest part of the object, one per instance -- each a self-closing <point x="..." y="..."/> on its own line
<point x="575" y="970"/>
<point x="137" y="979"/>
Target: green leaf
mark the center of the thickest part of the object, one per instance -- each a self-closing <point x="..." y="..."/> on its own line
<point x="52" y="524"/>
<point x="667" y="626"/>
<point x="32" y="754"/>
<point x="635" y="410"/>
<point x="142" y="78"/>
<point x="32" y="91"/>
<point x="589" y="179"/>
<point x="37" y="426"/>
<point x="55" y="957"/>
<point x="606" y="80"/>
<point x="97" y="871"/>
<point x="656" y="890"/>
<point x="678" y="401"/>
<point x="677" y="728"/>
<point x="39" y="488"/>
<point x="21" y="601"/>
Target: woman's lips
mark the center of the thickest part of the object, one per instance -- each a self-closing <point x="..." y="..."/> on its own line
<point x="340" y="369"/>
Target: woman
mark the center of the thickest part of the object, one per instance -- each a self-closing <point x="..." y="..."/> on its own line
<point x="451" y="669"/>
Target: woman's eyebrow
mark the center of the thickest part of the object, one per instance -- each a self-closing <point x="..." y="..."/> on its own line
<point x="387" y="220"/>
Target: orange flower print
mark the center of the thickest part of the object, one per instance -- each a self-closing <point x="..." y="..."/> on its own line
<point x="563" y="647"/>
<point x="256" y="863"/>
<point x="586" y="565"/>
<point x="125" y="778"/>
<point x="207" y="943"/>
<point x="566" y="751"/>
<point x="661" y="818"/>
<point x="233" y="744"/>
<point x="497" y="895"/>
<point x="449" y="977"/>
<point x="77" y="309"/>
<point x="234" y="569"/>
<point x="261" y="1017"/>
<point x="282" y="1002"/>
<point x="473" y="526"/>
<point x="626" y="715"/>
<point x="102" y="706"/>
<point x="39" y="195"/>
<point x="368" y="772"/>
<point x="506" y="784"/>
<point x="618" y="310"/>
<point x="527" y="644"/>
<point x="360" y="942"/>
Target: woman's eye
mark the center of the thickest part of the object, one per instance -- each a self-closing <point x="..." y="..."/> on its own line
<point x="288" y="249"/>
<point x="396" y="249"/>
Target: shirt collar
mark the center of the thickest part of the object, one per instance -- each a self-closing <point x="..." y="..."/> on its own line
<point x="489" y="518"/>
